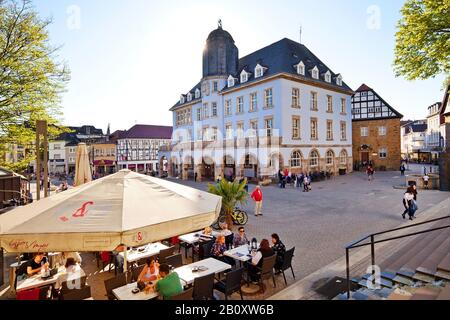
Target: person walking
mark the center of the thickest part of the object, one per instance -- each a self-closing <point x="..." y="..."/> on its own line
<point x="306" y="181"/>
<point x="370" y="172"/>
<point x="402" y="169"/>
<point x="280" y="178"/>
<point x="257" y="196"/>
<point x="426" y="179"/>
<point x="409" y="204"/>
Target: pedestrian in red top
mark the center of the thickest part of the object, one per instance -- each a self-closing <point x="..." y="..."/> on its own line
<point x="258" y="197"/>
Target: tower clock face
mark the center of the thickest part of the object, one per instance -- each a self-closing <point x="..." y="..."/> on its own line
<point x="205" y="88"/>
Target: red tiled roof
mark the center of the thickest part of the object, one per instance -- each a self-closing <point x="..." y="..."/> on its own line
<point x="142" y="131"/>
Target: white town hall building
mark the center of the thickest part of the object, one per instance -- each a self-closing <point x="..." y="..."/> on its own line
<point x="279" y="107"/>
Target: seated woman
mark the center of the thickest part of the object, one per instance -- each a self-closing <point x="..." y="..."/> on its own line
<point x="72" y="273"/>
<point x="150" y="272"/>
<point x="219" y="248"/>
<point x="280" y="249"/>
<point x="254" y="266"/>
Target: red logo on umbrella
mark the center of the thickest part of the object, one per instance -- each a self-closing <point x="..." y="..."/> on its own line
<point x="79" y="213"/>
<point x="139" y="236"/>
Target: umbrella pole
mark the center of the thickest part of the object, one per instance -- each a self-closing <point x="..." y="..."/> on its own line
<point x="2" y="280"/>
<point x="125" y="262"/>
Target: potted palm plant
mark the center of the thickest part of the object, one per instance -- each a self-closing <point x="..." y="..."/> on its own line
<point x="231" y="193"/>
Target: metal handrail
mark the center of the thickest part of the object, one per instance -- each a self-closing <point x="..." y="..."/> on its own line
<point x="357" y="244"/>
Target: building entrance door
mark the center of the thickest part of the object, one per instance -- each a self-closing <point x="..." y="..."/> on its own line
<point x="364" y="157"/>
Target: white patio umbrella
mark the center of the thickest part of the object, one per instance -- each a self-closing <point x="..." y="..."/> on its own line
<point x="125" y="207"/>
<point x="82" y="167"/>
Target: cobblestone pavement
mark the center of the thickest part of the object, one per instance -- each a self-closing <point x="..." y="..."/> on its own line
<point x="334" y="213"/>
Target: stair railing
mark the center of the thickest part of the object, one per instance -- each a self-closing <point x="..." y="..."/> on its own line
<point x="373" y="241"/>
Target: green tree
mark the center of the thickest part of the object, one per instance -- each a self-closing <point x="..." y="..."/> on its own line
<point x="31" y="80"/>
<point x="231" y="193"/>
<point x="423" y="39"/>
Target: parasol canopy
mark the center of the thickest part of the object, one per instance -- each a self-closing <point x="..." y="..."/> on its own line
<point x="125" y="207"/>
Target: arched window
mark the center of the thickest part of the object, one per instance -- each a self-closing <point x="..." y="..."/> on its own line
<point x="296" y="159"/>
<point x="343" y="157"/>
<point x="314" y="159"/>
<point x="329" y="158"/>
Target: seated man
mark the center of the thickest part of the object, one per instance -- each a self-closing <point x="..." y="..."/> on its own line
<point x="31" y="267"/>
<point x="170" y="284"/>
<point x="240" y="238"/>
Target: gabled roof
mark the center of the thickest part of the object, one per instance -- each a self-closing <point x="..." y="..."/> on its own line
<point x="281" y="57"/>
<point x="142" y="131"/>
<point x="198" y="86"/>
<point x="366" y="88"/>
<point x="87" y="130"/>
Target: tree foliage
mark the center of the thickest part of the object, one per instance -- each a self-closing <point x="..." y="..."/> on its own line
<point x="31" y="80"/>
<point x="231" y="193"/>
<point x="423" y="39"/>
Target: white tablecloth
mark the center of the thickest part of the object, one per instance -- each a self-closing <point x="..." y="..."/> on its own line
<point x="239" y="253"/>
<point x="150" y="250"/>
<point x="37" y="281"/>
<point x="125" y="293"/>
<point x="210" y="265"/>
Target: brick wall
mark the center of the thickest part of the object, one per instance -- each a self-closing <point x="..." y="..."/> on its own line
<point x="390" y="141"/>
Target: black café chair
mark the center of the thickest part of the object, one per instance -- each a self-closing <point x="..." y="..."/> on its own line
<point x="163" y="254"/>
<point x="204" y="250"/>
<point x="266" y="270"/>
<point x="287" y="263"/>
<point x="232" y="284"/>
<point x="175" y="260"/>
<point x="113" y="283"/>
<point x="204" y="287"/>
<point x="185" y="295"/>
<point x="78" y="294"/>
<point x="229" y="241"/>
<point x="136" y="272"/>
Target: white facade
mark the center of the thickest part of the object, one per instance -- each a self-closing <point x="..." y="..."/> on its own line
<point x="57" y="157"/>
<point x="140" y="155"/>
<point x="433" y="137"/>
<point x="245" y="115"/>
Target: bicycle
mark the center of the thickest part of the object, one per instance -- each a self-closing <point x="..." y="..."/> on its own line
<point x="238" y="216"/>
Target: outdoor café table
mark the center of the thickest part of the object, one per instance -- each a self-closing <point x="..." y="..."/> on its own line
<point x="239" y="253"/>
<point x="146" y="251"/>
<point x="125" y="293"/>
<point x="36" y="281"/>
<point x="191" y="239"/>
<point x="208" y="266"/>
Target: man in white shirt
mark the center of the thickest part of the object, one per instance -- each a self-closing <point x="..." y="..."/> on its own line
<point x="426" y="178"/>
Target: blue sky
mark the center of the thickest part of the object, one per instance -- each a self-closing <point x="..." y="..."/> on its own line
<point x="131" y="60"/>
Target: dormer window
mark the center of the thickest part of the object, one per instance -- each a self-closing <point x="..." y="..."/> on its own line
<point x="259" y="71"/>
<point x="230" y="81"/>
<point x="189" y="97"/>
<point x="301" y="68"/>
<point x="197" y="93"/>
<point x="315" y="73"/>
<point x="244" y="76"/>
<point x="339" y="80"/>
<point x="182" y="99"/>
<point x="328" y="76"/>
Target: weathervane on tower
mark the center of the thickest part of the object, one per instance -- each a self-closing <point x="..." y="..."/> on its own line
<point x="220" y="23"/>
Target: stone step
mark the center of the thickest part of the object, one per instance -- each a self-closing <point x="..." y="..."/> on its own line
<point x="429" y="266"/>
<point x="442" y="275"/>
<point x="445" y="293"/>
<point x="403" y="280"/>
<point x="383" y="282"/>
<point x="426" y="293"/>
<point x="424" y="278"/>
<point x="427" y="250"/>
<point x="444" y="265"/>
